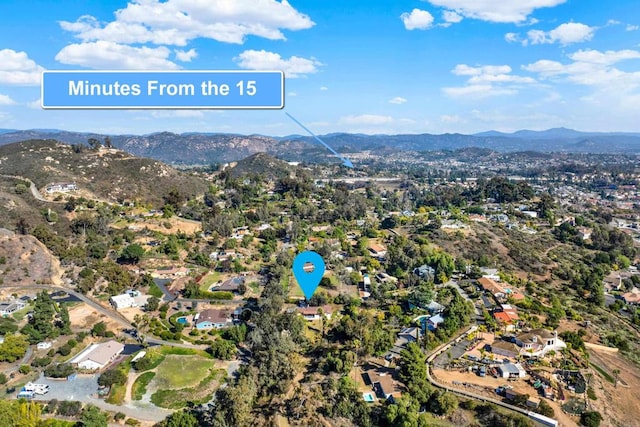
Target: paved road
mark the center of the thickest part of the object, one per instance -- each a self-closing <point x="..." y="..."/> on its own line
<point x="34" y="190"/>
<point x="103" y="310"/>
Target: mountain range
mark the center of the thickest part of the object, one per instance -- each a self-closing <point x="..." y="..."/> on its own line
<point x="194" y="148"/>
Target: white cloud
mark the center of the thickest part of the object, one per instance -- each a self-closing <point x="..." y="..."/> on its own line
<point x="512" y="37"/>
<point x="612" y="87"/>
<point x="16" y="68"/>
<point x="35" y="105"/>
<point x="451" y="17"/>
<point x="292" y="94"/>
<point x="632" y="27"/>
<point x="185" y="55"/>
<point x="323" y="88"/>
<point x="485" y="81"/>
<point x="477" y="91"/>
<point x="513" y="11"/>
<point x="293" y="67"/>
<point x="6" y="100"/>
<point x="397" y="100"/>
<point x="366" y="119"/>
<point x="417" y="19"/>
<point x="109" y="55"/>
<point x="176" y="22"/>
<point x="451" y="118"/>
<point x="565" y="34"/>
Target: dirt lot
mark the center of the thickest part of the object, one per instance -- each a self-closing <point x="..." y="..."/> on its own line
<point x="83" y="316"/>
<point x="487" y="386"/>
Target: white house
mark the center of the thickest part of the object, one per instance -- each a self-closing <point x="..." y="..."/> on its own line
<point x="123" y="301"/>
<point x="97" y="356"/>
<point x="538" y="342"/>
<point x="44" y="345"/>
<point x="311" y="313"/>
<point x="6" y="308"/>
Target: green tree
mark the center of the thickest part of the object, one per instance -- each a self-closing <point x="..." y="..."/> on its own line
<point x="41" y="325"/>
<point x="591" y="419"/>
<point x="92" y="416"/>
<point x="223" y="349"/>
<point x="152" y="304"/>
<point x="132" y="254"/>
<point x="111" y="377"/>
<point x="180" y="419"/>
<point x="413" y="373"/>
<point x="99" y="329"/>
<point x="65" y="321"/>
<point x="13" y="348"/>
<point x="444" y="404"/>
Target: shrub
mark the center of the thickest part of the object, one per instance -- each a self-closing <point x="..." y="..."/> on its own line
<point x="62" y="370"/>
<point x="24" y="369"/>
<point x="69" y="409"/>
<point x="41" y="362"/>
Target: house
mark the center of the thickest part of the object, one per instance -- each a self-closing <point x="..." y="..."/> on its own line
<point x="383" y="384"/>
<point x="61" y="187"/>
<point x="123" y="301"/>
<point x="229" y="285"/>
<point x="585" y="233"/>
<point x="425" y="271"/>
<point x="312" y="313"/>
<point x="632" y="297"/>
<point x="9" y="307"/>
<point x="538" y="342"/>
<point x="434" y="308"/>
<point x="507" y="316"/>
<point x="97" y="356"/>
<point x="172" y="272"/>
<point x="505" y="348"/>
<point x="510" y="370"/>
<point x="434" y="321"/>
<point x="407" y="335"/>
<point x="213" y="318"/>
<point x="492" y="287"/>
<point x="377" y="250"/>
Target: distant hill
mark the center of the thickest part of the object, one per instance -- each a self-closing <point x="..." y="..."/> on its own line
<point x="209" y="148"/>
<point x="110" y="174"/>
<point x="262" y="164"/>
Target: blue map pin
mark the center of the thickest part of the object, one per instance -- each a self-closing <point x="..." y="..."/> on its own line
<point x="308" y="278"/>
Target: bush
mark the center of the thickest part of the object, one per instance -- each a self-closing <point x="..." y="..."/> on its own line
<point x="132" y="422"/>
<point x="41" y="362"/>
<point x="65" y="350"/>
<point x="591" y="419"/>
<point x="24" y="369"/>
<point x="3" y="378"/>
<point x="69" y="409"/>
<point x="119" y="416"/>
<point x="62" y="370"/>
<point x="221" y="295"/>
<point x="223" y="349"/>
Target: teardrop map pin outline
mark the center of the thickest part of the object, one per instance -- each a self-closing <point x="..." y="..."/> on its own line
<point x="308" y="281"/>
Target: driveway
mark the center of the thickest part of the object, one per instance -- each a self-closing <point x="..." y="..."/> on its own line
<point x="456" y="350"/>
<point x="84" y="389"/>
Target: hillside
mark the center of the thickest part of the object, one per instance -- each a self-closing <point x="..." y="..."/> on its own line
<point x="261" y="164"/>
<point x="195" y="148"/>
<point x="107" y="174"/>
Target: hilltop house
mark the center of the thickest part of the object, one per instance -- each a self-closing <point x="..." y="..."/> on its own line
<point x="61" y="187"/>
<point x="506" y="316"/>
<point x="434" y="322"/>
<point x="97" y="356"/>
<point x="213" y="318"/>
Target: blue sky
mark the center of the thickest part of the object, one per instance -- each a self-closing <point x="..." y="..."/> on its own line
<point x="429" y="66"/>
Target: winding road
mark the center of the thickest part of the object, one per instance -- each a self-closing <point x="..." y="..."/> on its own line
<point x="100" y="309"/>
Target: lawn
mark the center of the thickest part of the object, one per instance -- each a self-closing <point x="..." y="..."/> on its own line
<point x="201" y="393"/>
<point x="179" y="371"/>
<point x="208" y="280"/>
<point x="140" y="385"/>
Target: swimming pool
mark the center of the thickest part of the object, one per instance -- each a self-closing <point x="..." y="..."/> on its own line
<point x="182" y="320"/>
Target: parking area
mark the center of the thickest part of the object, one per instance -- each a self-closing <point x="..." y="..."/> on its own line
<point x="455" y="352"/>
<point x="80" y="388"/>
